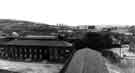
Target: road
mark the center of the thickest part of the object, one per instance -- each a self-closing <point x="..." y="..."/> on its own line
<point x="127" y="64"/>
<point x="128" y="67"/>
<point x="23" y="67"/>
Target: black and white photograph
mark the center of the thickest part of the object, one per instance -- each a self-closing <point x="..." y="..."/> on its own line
<point x="67" y="36"/>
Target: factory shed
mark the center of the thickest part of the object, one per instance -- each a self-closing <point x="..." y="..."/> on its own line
<point x="49" y="43"/>
<point x="35" y="50"/>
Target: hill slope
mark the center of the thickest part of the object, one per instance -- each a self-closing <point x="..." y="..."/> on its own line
<point x="27" y="27"/>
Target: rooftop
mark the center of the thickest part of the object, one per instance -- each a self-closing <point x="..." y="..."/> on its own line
<point x="50" y="43"/>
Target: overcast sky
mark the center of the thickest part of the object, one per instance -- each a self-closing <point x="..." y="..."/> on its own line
<point x="70" y="12"/>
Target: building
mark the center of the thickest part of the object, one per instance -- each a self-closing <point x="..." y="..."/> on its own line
<point x="86" y="27"/>
<point x="35" y="50"/>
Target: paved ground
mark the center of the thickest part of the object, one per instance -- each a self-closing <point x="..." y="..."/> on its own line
<point x="127" y="65"/>
<point x="29" y="67"/>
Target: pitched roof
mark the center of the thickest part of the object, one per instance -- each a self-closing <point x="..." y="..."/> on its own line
<point x="39" y="37"/>
<point x="50" y="43"/>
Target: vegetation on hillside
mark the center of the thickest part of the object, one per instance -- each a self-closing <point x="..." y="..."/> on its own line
<point x="25" y="27"/>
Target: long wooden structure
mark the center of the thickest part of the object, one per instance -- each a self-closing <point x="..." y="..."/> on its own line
<point x="35" y="50"/>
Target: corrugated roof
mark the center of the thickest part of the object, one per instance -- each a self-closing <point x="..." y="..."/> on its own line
<point x="50" y="43"/>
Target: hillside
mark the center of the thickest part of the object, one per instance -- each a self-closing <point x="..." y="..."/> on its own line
<point x="25" y="27"/>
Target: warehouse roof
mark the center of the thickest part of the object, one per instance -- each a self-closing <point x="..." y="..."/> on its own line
<point x="39" y="37"/>
<point x="50" y="43"/>
<point x="32" y="37"/>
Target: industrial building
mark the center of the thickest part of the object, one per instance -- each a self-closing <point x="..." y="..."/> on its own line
<point x="32" y="49"/>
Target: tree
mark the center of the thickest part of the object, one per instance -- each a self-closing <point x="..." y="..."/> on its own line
<point x="95" y="40"/>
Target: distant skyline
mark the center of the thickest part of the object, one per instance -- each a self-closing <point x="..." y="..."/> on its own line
<point x="70" y="12"/>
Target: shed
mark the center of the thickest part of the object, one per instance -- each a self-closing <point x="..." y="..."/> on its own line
<point x="35" y="50"/>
